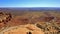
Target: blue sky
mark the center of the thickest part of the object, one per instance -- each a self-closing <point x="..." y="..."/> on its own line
<point x="29" y="3"/>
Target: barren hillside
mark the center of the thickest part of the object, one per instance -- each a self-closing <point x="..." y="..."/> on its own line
<point x="48" y="22"/>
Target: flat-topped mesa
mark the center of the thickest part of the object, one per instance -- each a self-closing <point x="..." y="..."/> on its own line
<point x="45" y="19"/>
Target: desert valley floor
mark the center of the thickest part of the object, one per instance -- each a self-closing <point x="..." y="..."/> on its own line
<point x="29" y="22"/>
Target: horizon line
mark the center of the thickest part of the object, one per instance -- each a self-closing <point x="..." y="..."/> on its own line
<point x="29" y="7"/>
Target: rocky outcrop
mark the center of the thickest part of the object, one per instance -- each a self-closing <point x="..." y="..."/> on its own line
<point x="4" y="18"/>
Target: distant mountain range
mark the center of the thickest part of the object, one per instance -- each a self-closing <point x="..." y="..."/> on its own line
<point x="32" y="8"/>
